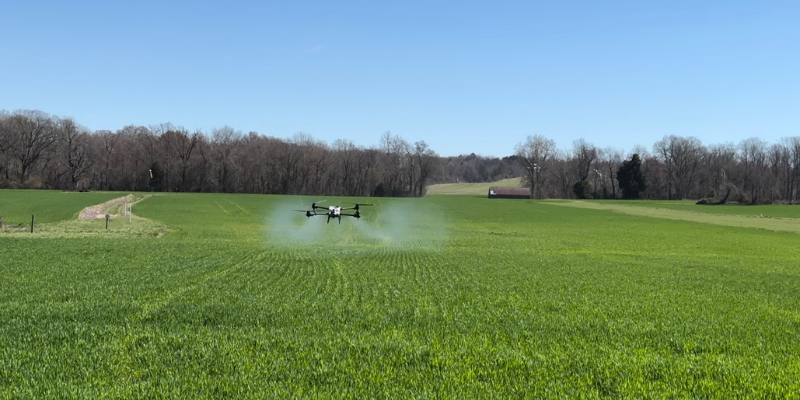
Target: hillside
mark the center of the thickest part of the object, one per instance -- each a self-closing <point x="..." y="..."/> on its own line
<point x="481" y="188"/>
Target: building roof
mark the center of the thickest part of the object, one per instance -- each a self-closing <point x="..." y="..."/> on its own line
<point x="509" y="191"/>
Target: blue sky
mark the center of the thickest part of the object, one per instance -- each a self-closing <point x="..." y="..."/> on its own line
<point x="464" y="76"/>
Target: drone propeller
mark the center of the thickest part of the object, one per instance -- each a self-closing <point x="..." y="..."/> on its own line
<point x="314" y="204"/>
<point x="358" y="205"/>
<point x="309" y="214"/>
<point x="356" y="214"/>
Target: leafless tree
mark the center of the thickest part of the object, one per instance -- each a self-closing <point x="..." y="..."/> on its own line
<point x="6" y="144"/>
<point x="792" y="145"/>
<point x="681" y="157"/>
<point x="753" y="162"/>
<point x="585" y="155"/>
<point x="426" y="161"/>
<point x="75" y="149"/>
<point x="610" y="161"/>
<point x="179" y="145"/>
<point x="719" y="164"/>
<point x="393" y="164"/>
<point x="32" y="132"/>
<point x="534" y="155"/>
<point x="562" y="170"/>
<point x="781" y="170"/>
<point x="105" y="152"/>
<point x="223" y="149"/>
<point x="345" y="154"/>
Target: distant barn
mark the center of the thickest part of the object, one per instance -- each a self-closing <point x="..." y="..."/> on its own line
<point x="501" y="192"/>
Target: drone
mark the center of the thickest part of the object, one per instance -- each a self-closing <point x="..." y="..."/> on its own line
<point x="334" y="211"/>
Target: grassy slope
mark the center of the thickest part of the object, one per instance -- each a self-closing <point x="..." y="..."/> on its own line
<point x="17" y="206"/>
<point x="698" y="214"/>
<point x="469" y="188"/>
<point x="57" y="212"/>
<point x="774" y="211"/>
<point x="449" y="296"/>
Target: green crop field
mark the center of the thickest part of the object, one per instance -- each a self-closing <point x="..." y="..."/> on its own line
<point x="238" y="296"/>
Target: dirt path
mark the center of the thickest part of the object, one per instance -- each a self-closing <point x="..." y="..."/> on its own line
<point x="100" y="210"/>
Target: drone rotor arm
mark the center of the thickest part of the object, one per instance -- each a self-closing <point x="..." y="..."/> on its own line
<point x="357" y="206"/>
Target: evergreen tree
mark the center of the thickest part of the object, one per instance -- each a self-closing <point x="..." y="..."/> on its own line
<point x="630" y="178"/>
<point x="583" y="190"/>
<point x="156" y="177"/>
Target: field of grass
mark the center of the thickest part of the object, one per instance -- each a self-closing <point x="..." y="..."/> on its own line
<point x="757" y="217"/>
<point x="476" y="189"/>
<point x="771" y="211"/>
<point x="56" y="215"/>
<point x="441" y="297"/>
<point x="17" y="206"/>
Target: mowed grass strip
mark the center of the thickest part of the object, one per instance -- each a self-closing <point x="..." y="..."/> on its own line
<point x="759" y="210"/>
<point x="468" y="297"/>
<point x="695" y="214"/>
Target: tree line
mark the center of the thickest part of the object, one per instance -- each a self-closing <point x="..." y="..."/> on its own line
<point x="751" y="171"/>
<point x="39" y="150"/>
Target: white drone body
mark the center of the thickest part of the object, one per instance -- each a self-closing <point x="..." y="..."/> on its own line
<point x="334" y="211"/>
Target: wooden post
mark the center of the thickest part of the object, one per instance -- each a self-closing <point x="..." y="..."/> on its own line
<point x="2" y="227"/>
<point x="33" y="217"/>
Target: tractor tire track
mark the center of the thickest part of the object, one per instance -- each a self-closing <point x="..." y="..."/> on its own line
<point x="153" y="306"/>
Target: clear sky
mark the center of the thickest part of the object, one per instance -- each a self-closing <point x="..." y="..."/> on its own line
<point x="464" y="76"/>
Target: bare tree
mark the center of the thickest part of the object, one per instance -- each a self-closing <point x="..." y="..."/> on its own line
<point x="610" y="161"/>
<point x="562" y="171"/>
<point x="753" y="162"/>
<point x="781" y="170"/>
<point x="178" y="146"/>
<point x="427" y="161"/>
<point x="366" y="166"/>
<point x="105" y="156"/>
<point x="681" y="157"/>
<point x="793" y="151"/>
<point x="74" y="143"/>
<point x="345" y="154"/>
<point x="6" y="145"/>
<point x="720" y="161"/>
<point x="132" y="156"/>
<point x="392" y="164"/>
<point x="223" y="145"/>
<point x="319" y="166"/>
<point x="585" y="155"/>
<point x="32" y="132"/>
<point x="534" y="155"/>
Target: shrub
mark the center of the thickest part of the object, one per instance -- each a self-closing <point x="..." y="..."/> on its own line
<point x="583" y="190"/>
